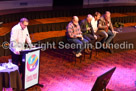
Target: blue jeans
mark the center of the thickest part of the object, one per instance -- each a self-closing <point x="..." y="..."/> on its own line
<point x="90" y="38"/>
<point x="80" y="44"/>
<point x="108" y="36"/>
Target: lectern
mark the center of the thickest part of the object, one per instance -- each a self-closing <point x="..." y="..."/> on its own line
<point x="31" y="62"/>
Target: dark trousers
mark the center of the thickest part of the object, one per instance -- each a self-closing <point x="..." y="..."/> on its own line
<point x="100" y="36"/>
<point x="90" y="38"/>
<point x="108" y="36"/>
<point x="17" y="59"/>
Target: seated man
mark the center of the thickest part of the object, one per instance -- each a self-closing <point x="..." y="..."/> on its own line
<point x="94" y="23"/>
<point x="86" y="28"/>
<point x="74" y="35"/>
<point x="106" y="29"/>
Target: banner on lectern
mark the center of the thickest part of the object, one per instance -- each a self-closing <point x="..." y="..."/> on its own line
<point x="32" y="68"/>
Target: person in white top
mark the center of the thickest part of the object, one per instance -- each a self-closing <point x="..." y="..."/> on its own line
<point x="19" y="35"/>
<point x="94" y="23"/>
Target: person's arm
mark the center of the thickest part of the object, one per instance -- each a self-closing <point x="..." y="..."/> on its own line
<point x="70" y="30"/>
<point x="83" y="26"/>
<point x="92" y="31"/>
<point x="28" y="40"/>
<point x="14" y="41"/>
<point x="112" y="29"/>
<point x="100" y="26"/>
<point x="111" y="26"/>
<point x="80" y="33"/>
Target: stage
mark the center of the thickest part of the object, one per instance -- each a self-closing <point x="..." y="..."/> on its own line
<point x="58" y="73"/>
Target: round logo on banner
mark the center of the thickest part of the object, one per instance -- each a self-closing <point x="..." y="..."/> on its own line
<point x="32" y="63"/>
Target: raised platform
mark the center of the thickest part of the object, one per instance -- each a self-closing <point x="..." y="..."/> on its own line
<point x="51" y="25"/>
<point x="126" y="37"/>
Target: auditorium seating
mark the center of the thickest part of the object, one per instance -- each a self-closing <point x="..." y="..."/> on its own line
<point x="65" y="12"/>
<point x="50" y="25"/>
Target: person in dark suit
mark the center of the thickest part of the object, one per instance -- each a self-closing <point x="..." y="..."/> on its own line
<point x="87" y="29"/>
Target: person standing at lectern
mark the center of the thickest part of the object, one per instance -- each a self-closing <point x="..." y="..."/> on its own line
<point x="19" y="35"/>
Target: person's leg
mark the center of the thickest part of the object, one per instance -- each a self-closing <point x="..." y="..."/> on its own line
<point x="21" y="65"/>
<point x="92" y="38"/>
<point x="87" y="38"/>
<point x="85" y="42"/>
<point x="99" y="37"/>
<point x="79" y="44"/>
<point x="110" y="37"/>
<point x="104" y="36"/>
<point x="16" y="59"/>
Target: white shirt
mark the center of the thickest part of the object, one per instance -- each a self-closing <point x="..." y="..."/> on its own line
<point x="18" y="38"/>
<point x="94" y="25"/>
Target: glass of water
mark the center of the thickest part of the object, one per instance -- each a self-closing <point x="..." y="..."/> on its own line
<point x="10" y="61"/>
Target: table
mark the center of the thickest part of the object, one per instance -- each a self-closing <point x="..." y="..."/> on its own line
<point x="10" y="78"/>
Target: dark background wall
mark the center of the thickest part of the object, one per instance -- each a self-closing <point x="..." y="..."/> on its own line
<point x="87" y="2"/>
<point x="67" y="2"/>
<point x="14" y="4"/>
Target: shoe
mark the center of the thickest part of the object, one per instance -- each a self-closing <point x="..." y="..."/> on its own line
<point x="93" y="48"/>
<point x="104" y="45"/>
<point x="111" y="51"/>
<point x="108" y="47"/>
<point x="87" y="51"/>
<point x="78" y="55"/>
